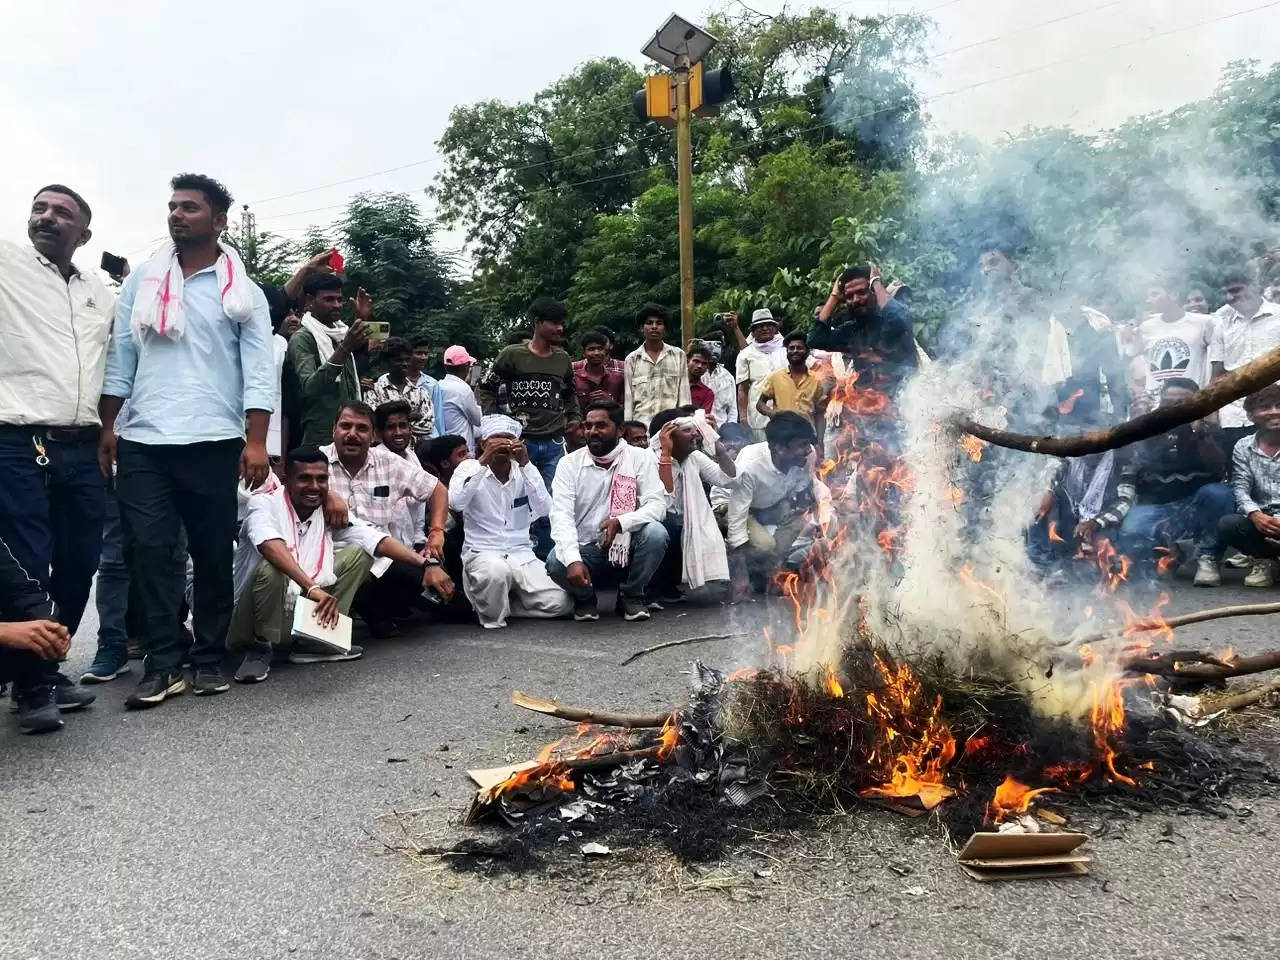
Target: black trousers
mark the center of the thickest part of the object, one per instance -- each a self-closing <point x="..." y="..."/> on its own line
<point x="163" y="488"/>
<point x="1238" y="531"/>
<point x="22" y="668"/>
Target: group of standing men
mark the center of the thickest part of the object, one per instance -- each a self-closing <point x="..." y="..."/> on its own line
<point x="161" y="413"/>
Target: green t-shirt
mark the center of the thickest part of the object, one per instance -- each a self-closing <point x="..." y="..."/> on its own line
<point x="540" y="391"/>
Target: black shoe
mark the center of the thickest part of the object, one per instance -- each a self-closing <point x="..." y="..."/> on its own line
<point x="585" y="609"/>
<point x="208" y="681"/>
<point x="154" y="688"/>
<point x="632" y="610"/>
<point x="37" y="710"/>
<point x="69" y="697"/>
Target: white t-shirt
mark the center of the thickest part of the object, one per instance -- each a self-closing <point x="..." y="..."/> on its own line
<point x="1178" y="348"/>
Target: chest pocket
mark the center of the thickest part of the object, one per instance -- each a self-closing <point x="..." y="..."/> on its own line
<point x="521" y="515"/>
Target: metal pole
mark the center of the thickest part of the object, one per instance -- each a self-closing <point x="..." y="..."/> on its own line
<point x="684" y="172"/>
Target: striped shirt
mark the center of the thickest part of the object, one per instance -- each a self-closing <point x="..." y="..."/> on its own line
<point x="374" y="493"/>
<point x="1255" y="477"/>
<point x="655" y="385"/>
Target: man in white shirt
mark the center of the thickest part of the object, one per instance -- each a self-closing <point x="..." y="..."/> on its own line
<point x="607" y="508"/>
<point x="721" y="381"/>
<point x="55" y="322"/>
<point x="286" y="551"/>
<point x="499" y="495"/>
<point x="459" y="411"/>
<point x="1246" y="327"/>
<point x="760" y="359"/>
<point x="773" y="498"/>
<point x="1175" y="342"/>
<point x="696" y="555"/>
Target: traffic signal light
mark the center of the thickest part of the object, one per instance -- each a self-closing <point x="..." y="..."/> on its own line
<point x="707" y="91"/>
<point x="657" y="101"/>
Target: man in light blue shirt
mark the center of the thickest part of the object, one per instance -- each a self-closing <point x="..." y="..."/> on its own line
<point x="459" y="412"/>
<point x="191" y="352"/>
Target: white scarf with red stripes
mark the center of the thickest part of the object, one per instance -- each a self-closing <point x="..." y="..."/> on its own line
<point x="158" y="304"/>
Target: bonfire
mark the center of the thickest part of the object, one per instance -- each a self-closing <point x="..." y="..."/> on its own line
<point x="919" y="668"/>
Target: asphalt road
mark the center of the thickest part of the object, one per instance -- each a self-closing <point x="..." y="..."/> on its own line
<point x="252" y="825"/>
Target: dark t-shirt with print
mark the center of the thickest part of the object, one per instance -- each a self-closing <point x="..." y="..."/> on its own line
<point x="540" y="390"/>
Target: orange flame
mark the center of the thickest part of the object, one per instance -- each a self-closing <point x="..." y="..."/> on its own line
<point x="972" y="446"/>
<point x="913" y="744"/>
<point x="1012" y="798"/>
<point x="1069" y="404"/>
<point x="669" y="738"/>
<point x="1053" y="533"/>
<point x="1113" y="564"/>
<point x="831" y="683"/>
<point x="1106" y="717"/>
<point x="1169" y="558"/>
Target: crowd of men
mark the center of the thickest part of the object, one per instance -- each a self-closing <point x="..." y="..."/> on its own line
<point x="215" y="453"/>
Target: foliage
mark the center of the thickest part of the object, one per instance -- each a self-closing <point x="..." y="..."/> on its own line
<point x="268" y="258"/>
<point x="821" y="160"/>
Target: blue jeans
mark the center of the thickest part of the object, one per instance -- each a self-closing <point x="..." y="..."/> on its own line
<point x="112" y="598"/>
<point x="1148" y="525"/>
<point x="648" y="547"/>
<point x="544" y="453"/>
<point x="51" y="516"/>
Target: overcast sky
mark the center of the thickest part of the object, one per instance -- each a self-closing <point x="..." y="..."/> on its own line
<point x="278" y="98"/>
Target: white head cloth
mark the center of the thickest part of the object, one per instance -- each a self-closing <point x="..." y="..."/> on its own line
<point x="496" y="423"/>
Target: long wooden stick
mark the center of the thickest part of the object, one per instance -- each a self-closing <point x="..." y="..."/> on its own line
<point x="1193" y="666"/>
<point x="1234" y="385"/>
<point x="1245" y="699"/>
<point x="680" y="643"/>
<point x="1199" y="616"/>
<point x="563" y="711"/>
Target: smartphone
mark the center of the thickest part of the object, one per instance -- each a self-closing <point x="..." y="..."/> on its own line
<point x="379" y="331"/>
<point x="336" y="262"/>
<point x="114" y="267"/>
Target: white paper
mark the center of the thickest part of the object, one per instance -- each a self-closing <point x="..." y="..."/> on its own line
<point x="305" y="624"/>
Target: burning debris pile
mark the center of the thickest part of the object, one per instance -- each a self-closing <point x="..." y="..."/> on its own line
<point x="924" y="671"/>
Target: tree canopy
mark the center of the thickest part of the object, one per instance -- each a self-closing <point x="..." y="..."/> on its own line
<point x="823" y="158"/>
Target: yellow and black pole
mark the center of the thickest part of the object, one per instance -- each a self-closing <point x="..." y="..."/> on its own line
<point x="684" y="179"/>
<point x="672" y="100"/>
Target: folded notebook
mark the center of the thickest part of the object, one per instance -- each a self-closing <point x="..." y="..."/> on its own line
<point x="305" y="624"/>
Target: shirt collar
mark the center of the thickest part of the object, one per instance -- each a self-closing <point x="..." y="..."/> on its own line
<point x="46" y="262"/>
<point x="1253" y="445"/>
<point x="1266" y="309"/>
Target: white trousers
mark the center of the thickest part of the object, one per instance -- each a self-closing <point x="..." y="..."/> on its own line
<point x="501" y="585"/>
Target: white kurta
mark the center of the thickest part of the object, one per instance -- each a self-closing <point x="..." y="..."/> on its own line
<point x="500" y="574"/>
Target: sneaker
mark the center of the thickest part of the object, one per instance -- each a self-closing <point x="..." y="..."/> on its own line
<point x="631" y="610"/>
<point x="256" y="664"/>
<point x="1238" y="561"/>
<point x="154" y="688"/>
<point x="1207" y="574"/>
<point x="655" y="605"/>
<point x="318" y="654"/>
<point x="1261" y="574"/>
<point x="68" y="696"/>
<point x="585" y="610"/>
<point x="106" y="667"/>
<point x="37" y="710"/>
<point x="208" y="681"/>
